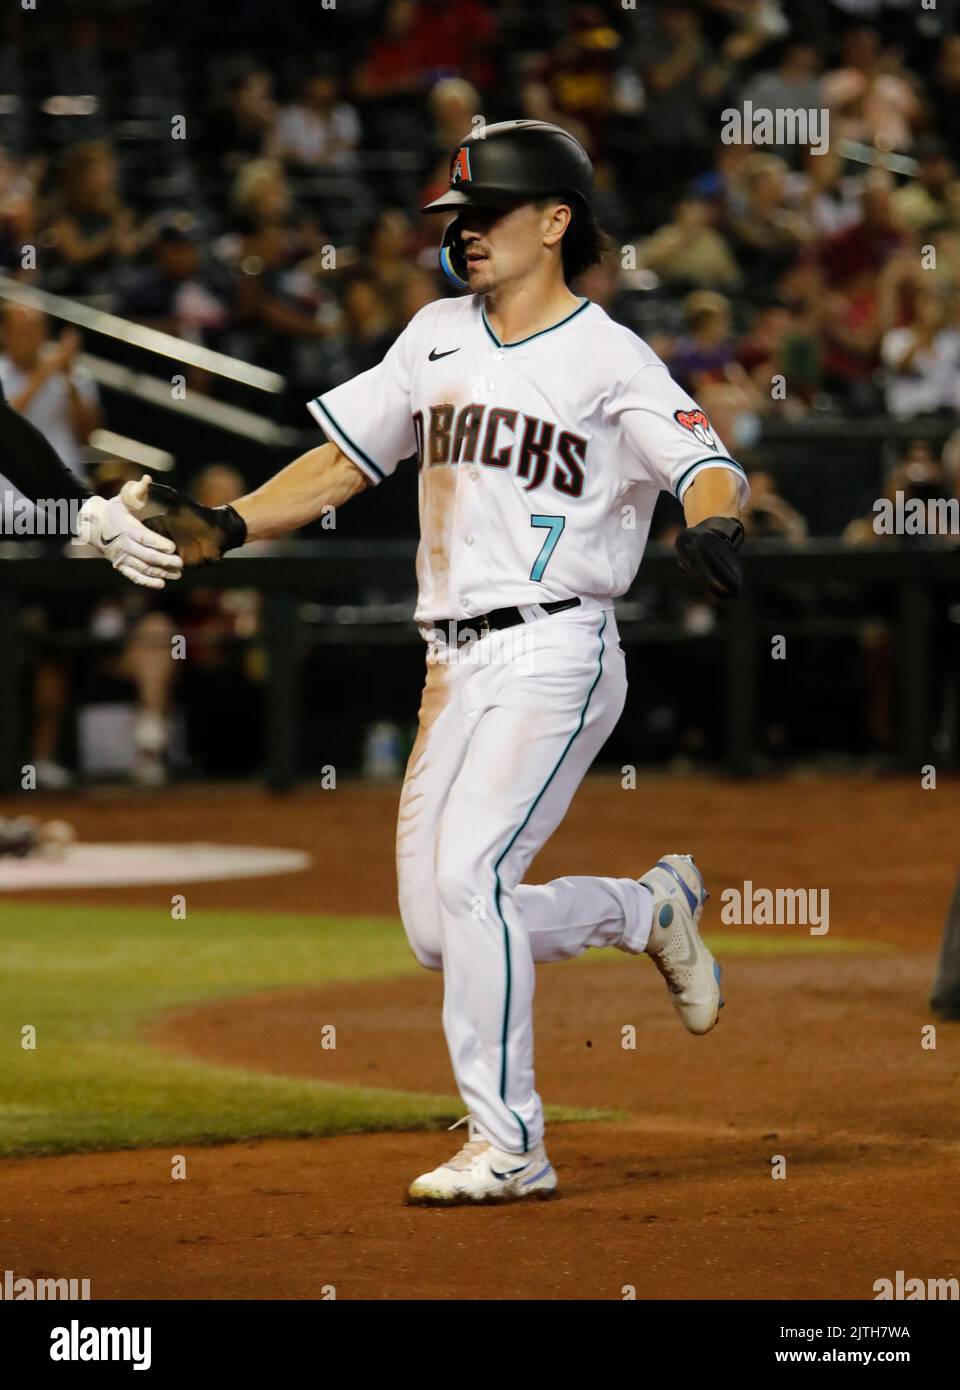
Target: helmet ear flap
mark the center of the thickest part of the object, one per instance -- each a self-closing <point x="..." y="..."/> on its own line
<point x="453" y="260"/>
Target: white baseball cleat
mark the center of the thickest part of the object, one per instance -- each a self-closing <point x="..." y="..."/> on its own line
<point x="691" y="973"/>
<point x="481" y="1173"/>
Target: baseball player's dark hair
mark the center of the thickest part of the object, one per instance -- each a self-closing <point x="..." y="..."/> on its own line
<point x="584" y="242"/>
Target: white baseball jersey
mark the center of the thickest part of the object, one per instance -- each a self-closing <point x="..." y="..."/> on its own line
<point x="540" y="461"/>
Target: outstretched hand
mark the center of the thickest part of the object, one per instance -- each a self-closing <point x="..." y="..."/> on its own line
<point x="140" y="554"/>
<point x="707" y="553"/>
<point x="201" y="535"/>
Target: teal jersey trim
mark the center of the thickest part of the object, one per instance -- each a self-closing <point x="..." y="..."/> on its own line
<point x="710" y="458"/>
<point x="552" y="329"/>
<point x="378" y="472"/>
<point x="498" y="886"/>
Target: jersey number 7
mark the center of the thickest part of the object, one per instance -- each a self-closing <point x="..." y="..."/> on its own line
<point x="555" y="525"/>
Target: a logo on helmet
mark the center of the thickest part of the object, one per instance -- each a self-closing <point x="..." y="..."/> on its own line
<point x="460" y="167"/>
<point x="699" y="426"/>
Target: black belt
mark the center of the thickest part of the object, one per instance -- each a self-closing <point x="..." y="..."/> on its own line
<point x="457" y="630"/>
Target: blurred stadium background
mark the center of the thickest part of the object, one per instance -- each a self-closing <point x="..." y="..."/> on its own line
<point x="209" y="214"/>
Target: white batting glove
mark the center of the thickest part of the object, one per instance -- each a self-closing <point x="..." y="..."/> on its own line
<point x="111" y="527"/>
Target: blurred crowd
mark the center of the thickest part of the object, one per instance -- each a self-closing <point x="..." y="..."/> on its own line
<point x="248" y="176"/>
<point x="280" y="221"/>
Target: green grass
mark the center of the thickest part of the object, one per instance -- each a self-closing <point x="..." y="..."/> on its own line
<point x="87" y="978"/>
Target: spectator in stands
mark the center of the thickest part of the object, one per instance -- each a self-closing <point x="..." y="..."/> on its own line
<point x="221" y="681"/>
<point x="18" y="209"/>
<point x="369" y="324"/>
<point x="768" y="516"/>
<point x="454" y="108"/>
<point x="722" y="182"/>
<point x="872" y="98"/>
<point x="262" y="195"/>
<point x="706" y="349"/>
<point x="270" y="292"/>
<point x="319" y="131"/>
<point x="286" y="315"/>
<point x="827" y="198"/>
<point x="423" y="40"/>
<point x="583" y="81"/>
<point x="923" y="359"/>
<point x="42" y="380"/>
<point x="91" y="229"/>
<point x="392" y="65"/>
<point x="673" y="69"/>
<point x="858" y="306"/>
<point x="793" y="85"/>
<point x="180" y="293"/>
<point x="689" y="251"/>
<point x="388" y="251"/>
<point x="918" y="476"/>
<point x="853" y="327"/>
<point x="868" y="243"/>
<point x="801" y="290"/>
<point x="455" y="40"/>
<point x="144" y="661"/>
<point x="767" y="233"/>
<point x="263" y="199"/>
<point x="241" y="127"/>
<point x="51" y="685"/>
<point x="734" y="406"/>
<point x="923" y="204"/>
<point x="761" y="349"/>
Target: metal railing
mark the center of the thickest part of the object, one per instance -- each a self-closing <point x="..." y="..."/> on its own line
<point x="137" y="335"/>
<point x="327" y="582"/>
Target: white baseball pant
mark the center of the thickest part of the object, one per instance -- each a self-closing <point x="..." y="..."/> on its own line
<point x="509" y="725"/>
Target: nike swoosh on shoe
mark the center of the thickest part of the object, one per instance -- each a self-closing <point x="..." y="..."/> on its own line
<point x="692" y="901"/>
<point x="511" y="1172"/>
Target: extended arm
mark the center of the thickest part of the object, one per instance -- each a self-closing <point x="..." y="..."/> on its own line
<point x="714" y="492"/>
<point x="298" y="494"/>
<point x="707" y="547"/>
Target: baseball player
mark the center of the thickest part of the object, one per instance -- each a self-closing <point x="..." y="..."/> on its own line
<point x="544" y="433"/>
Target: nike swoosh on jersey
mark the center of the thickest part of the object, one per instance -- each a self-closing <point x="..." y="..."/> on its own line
<point x="435" y="356"/>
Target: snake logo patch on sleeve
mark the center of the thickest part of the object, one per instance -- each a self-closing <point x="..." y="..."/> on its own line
<point x="699" y="426"/>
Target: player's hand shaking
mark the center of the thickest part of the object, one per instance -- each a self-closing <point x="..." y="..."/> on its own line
<point x="131" y="546"/>
<point x="707" y="552"/>
<point x="201" y="535"/>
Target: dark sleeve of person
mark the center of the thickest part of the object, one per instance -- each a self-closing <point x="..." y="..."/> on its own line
<point x="32" y="464"/>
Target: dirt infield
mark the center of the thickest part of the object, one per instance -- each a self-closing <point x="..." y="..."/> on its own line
<point x="818" y="1059"/>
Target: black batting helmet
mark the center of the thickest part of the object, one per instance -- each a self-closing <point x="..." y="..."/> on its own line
<point x="511" y="160"/>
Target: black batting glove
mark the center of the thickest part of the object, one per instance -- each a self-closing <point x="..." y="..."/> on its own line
<point x="707" y="553"/>
<point x="202" y="535"/>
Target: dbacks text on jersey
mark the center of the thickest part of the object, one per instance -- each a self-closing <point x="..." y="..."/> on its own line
<point x="536" y="450"/>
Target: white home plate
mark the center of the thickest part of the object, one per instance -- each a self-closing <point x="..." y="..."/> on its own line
<point x="123" y="865"/>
